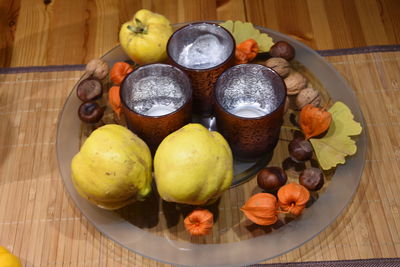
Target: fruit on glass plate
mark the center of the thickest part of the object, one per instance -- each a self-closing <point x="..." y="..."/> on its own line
<point x="90" y="112"/>
<point x="89" y="89"/>
<point x="271" y="178"/>
<point x="7" y="259"/>
<point x="112" y="168"/>
<point x="145" y="37"/>
<point x="193" y="166"/>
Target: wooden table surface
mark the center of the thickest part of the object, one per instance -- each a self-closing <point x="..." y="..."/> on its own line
<point x="44" y="227"/>
<point x="57" y="32"/>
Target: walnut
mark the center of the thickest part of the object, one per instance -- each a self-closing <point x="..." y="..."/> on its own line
<point x="97" y="68"/>
<point x="280" y="65"/>
<point x="295" y="82"/>
<point x="308" y="96"/>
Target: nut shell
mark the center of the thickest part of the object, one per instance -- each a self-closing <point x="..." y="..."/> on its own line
<point x="295" y="82"/>
<point x="282" y="49"/>
<point x="300" y="149"/>
<point x="280" y="65"/>
<point x="97" y="68"/>
<point x="271" y="179"/>
<point x="89" y="89"/>
<point x="312" y="179"/>
<point x="90" y="112"/>
<point x="308" y="96"/>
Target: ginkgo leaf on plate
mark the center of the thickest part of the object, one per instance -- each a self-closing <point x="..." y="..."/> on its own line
<point x="333" y="148"/>
<point x="242" y="31"/>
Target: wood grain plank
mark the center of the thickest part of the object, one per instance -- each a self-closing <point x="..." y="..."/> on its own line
<point x="263" y="13"/>
<point x="389" y="11"/>
<point x="320" y="25"/>
<point x="69" y="35"/>
<point x="73" y="32"/>
<point x="31" y="35"/>
<point x="372" y="28"/>
<point x="231" y="10"/>
<point x="195" y="10"/>
<point x="9" y="11"/>
<point x="127" y="8"/>
<point x="299" y="26"/>
<point x="344" y="23"/>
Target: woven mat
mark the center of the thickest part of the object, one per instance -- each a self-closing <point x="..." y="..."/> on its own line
<point x="40" y="223"/>
<point x="382" y="262"/>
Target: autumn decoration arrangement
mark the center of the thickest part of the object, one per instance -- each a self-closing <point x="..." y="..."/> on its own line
<point x="324" y="130"/>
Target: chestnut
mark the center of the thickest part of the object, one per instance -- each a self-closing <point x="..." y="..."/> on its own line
<point x="312" y="179"/>
<point x="282" y="49"/>
<point x="300" y="149"/>
<point x="271" y="179"/>
<point x="89" y="89"/>
<point x="90" y="112"/>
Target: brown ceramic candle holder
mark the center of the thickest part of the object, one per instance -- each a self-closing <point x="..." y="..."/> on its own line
<point x="203" y="50"/>
<point x="156" y="100"/>
<point x="249" y="109"/>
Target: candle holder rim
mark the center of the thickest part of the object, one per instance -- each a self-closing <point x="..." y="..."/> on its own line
<point x="187" y="100"/>
<point x="252" y="118"/>
<point x="205" y="69"/>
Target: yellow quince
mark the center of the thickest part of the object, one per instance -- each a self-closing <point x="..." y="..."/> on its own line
<point x="193" y="166"/>
<point x="112" y="168"/>
<point x="145" y="37"/>
<point x="7" y="259"/>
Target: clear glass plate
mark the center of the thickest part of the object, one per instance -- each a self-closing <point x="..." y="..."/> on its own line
<point x="159" y="235"/>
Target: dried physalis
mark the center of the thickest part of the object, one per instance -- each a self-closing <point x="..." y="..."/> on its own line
<point x="115" y="100"/>
<point x="199" y="222"/>
<point x="293" y="198"/>
<point x="261" y="209"/>
<point x="246" y="51"/>
<point x="314" y="121"/>
<point x="119" y="71"/>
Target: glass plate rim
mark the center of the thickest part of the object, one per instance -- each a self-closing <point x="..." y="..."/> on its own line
<point x="245" y="245"/>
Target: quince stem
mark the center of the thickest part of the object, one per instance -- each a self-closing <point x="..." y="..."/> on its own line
<point x="140" y="28"/>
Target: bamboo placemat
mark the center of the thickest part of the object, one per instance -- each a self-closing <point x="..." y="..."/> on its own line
<point x="40" y="223"/>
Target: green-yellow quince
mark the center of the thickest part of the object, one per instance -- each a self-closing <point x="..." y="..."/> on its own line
<point x="7" y="259"/>
<point x="144" y="38"/>
<point x="112" y="168"/>
<point x="193" y="166"/>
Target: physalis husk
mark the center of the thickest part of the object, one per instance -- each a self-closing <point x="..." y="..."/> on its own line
<point x="332" y="149"/>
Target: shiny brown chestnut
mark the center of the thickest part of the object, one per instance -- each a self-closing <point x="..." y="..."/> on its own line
<point x="89" y="89"/>
<point x="282" y="49"/>
<point x="300" y="149"/>
<point x="312" y="179"/>
<point x="271" y="178"/>
<point x="90" y="112"/>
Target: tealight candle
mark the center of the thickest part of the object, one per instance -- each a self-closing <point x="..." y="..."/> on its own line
<point x="249" y="107"/>
<point x="203" y="50"/>
<point x="156" y="100"/>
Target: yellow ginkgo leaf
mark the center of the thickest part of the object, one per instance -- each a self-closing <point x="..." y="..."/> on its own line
<point x="242" y="31"/>
<point x="332" y="149"/>
<point x="344" y="120"/>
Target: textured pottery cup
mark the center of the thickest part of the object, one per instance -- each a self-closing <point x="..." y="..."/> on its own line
<point x="249" y="109"/>
<point x="156" y="100"/>
<point x="203" y="50"/>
